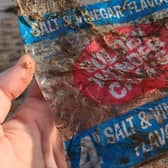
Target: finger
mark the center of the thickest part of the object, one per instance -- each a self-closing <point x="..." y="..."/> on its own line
<point x="5" y="105"/>
<point x="59" y="152"/>
<point x="53" y="149"/>
<point x="13" y="82"/>
<point x="39" y="111"/>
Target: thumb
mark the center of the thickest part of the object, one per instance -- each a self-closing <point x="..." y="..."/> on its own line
<point x="13" y="82"/>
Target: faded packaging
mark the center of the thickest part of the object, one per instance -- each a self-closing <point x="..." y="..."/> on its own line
<point x="102" y="66"/>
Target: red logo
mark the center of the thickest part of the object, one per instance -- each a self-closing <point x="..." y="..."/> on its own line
<point x="124" y="64"/>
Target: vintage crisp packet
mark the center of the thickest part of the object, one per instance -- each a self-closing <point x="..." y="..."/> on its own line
<point x="102" y="66"/>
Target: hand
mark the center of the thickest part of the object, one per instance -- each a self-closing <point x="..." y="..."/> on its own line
<point x="30" y="139"/>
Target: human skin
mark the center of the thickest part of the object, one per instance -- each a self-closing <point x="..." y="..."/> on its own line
<point x="30" y="138"/>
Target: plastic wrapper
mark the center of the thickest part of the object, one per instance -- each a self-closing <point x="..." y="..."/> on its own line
<point x="102" y="66"/>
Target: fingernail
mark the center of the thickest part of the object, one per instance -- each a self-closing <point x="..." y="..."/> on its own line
<point x="27" y="65"/>
<point x="27" y="62"/>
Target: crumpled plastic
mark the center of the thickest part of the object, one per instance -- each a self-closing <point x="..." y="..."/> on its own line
<point x="98" y="72"/>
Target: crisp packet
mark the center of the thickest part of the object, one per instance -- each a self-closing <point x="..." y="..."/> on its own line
<point x="102" y="66"/>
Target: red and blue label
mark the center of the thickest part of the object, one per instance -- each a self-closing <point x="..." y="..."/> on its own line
<point x="124" y="64"/>
<point x="122" y="142"/>
<point x="128" y="61"/>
